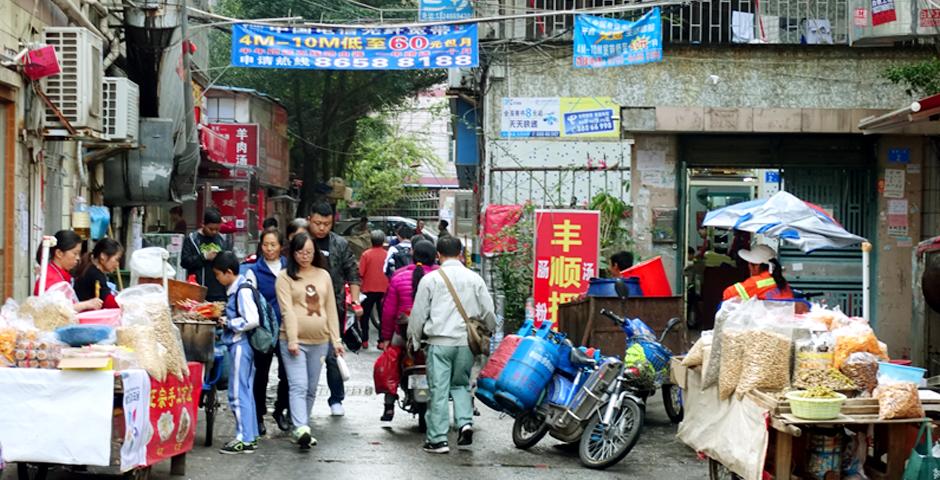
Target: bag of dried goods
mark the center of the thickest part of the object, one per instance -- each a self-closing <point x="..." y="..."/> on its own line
<point x="150" y="353"/>
<point x="142" y="304"/>
<point x="853" y="338"/>
<point x="50" y="311"/>
<point x="766" y="361"/>
<point x="733" y="344"/>
<point x="37" y="350"/>
<point x="733" y="315"/>
<point x="813" y="353"/>
<point x="862" y="368"/>
<point x="696" y="354"/>
<point x="824" y="377"/>
<point x="826" y="316"/>
<point x="898" y="400"/>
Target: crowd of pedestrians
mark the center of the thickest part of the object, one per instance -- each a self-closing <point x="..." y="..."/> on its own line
<point x="306" y="279"/>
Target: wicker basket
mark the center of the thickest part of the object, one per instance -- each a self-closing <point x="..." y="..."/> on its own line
<point x="815" y="408"/>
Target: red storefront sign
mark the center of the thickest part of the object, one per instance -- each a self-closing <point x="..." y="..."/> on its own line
<point x="882" y="11"/>
<point x="174" y="405"/>
<point x="930" y="17"/>
<point x="567" y="245"/>
<point x="233" y="206"/>
<point x="241" y="147"/>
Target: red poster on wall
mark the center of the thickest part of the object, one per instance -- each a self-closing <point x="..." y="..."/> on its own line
<point x="174" y="405"/>
<point x="567" y="244"/>
<point x="241" y="146"/>
<point x="232" y="204"/>
<point x="882" y="11"/>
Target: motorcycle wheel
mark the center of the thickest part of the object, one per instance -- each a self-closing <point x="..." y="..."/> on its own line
<point x="605" y="446"/>
<point x="672" y="400"/>
<point x="527" y="430"/>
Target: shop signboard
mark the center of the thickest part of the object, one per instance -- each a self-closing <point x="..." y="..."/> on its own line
<point x="566" y="253"/>
<point x="882" y="11"/>
<point x="530" y="117"/>
<point x="241" y="147"/>
<point x="174" y="404"/>
<point x="607" y="42"/>
<point x="376" y="48"/>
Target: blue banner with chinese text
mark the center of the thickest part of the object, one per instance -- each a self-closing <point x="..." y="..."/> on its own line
<point x="436" y="10"/>
<point x="438" y="46"/>
<point x="606" y="42"/>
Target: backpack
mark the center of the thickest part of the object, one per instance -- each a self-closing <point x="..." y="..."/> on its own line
<point x="401" y="258"/>
<point x="263" y="338"/>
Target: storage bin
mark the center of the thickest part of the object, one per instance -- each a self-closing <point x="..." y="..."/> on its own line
<point x="901" y="373"/>
<point x="607" y="287"/>
<point x="652" y="276"/>
<point x="108" y="316"/>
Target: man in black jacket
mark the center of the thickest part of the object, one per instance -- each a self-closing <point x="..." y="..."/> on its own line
<point x="199" y="250"/>
<point x="343" y="269"/>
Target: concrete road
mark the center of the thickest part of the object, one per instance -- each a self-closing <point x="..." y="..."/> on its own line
<point x="357" y="447"/>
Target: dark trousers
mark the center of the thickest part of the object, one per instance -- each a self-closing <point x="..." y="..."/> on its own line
<point x="260" y="388"/>
<point x="373" y="300"/>
<point x="334" y="379"/>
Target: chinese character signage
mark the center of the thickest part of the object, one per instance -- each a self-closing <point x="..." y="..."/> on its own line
<point x="882" y="11"/>
<point x="444" y="9"/>
<point x="241" y="146"/>
<point x="398" y="48"/>
<point x="173" y="408"/>
<point x="606" y="42"/>
<point x="559" y="117"/>
<point x="567" y="245"/>
<point x="930" y="17"/>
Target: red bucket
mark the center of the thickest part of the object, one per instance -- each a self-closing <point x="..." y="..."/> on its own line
<point x="652" y="277"/>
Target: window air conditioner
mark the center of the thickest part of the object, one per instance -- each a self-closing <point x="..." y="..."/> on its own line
<point x="76" y="92"/>
<point x="121" y="104"/>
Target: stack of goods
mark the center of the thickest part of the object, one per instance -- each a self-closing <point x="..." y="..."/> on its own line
<point x="35" y="351"/>
<point x="150" y="333"/>
<point x="197" y="311"/>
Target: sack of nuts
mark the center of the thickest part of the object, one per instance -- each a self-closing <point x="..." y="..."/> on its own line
<point x="766" y="362"/>
<point x="862" y="368"/>
<point x="898" y="400"/>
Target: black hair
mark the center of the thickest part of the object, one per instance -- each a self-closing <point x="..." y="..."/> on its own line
<point x="449" y="246"/>
<point x="269" y="222"/>
<point x="322" y="209"/>
<point x="443" y="224"/>
<point x="423" y="256"/>
<point x="269" y="231"/>
<point x="296" y="225"/>
<point x="623" y="260"/>
<point x="420" y="237"/>
<point x="211" y="216"/>
<point x="377" y="237"/>
<point x="65" y="240"/>
<point x="226" y="262"/>
<point x="297" y="244"/>
<point x="106" y="246"/>
<point x="406" y="231"/>
<point x="777" y="273"/>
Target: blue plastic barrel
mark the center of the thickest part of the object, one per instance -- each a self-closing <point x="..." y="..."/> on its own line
<point x="604" y="287"/>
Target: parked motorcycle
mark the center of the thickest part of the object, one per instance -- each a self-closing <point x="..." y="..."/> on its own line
<point x="656" y="375"/>
<point x="414" y="386"/>
<point x="587" y="401"/>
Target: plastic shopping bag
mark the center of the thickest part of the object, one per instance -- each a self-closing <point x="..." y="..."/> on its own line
<point x="386" y="373"/>
<point x="922" y="465"/>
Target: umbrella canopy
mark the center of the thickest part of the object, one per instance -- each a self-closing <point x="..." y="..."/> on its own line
<point x="786" y="217"/>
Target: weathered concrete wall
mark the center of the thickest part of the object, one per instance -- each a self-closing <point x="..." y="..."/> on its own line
<point x="891" y="281"/>
<point x="654" y="179"/>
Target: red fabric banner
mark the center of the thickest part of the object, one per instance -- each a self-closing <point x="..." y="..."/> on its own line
<point x="174" y="406"/>
<point x="567" y="244"/>
<point x="495" y="219"/>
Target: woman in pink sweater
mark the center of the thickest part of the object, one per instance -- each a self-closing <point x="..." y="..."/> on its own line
<point x="398" y="302"/>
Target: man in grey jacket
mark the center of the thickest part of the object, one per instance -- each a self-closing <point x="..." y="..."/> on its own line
<point x="343" y="269"/>
<point x="435" y="317"/>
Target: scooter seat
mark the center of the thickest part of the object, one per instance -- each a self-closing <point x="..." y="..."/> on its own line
<point x="581" y="359"/>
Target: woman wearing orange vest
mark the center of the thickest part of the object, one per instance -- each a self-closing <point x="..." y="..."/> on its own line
<point x="766" y="281"/>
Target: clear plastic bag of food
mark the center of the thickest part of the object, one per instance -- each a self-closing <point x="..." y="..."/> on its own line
<point x="813" y="354"/>
<point x="143" y="304"/>
<point x="51" y="310"/>
<point x="862" y="368"/>
<point x="696" y="354"/>
<point x="898" y="400"/>
<point x="854" y="338"/>
<point x="766" y="361"/>
<point x="732" y="362"/>
<point x="733" y="315"/>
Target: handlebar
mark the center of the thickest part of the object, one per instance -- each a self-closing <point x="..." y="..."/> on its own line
<point x="613" y="317"/>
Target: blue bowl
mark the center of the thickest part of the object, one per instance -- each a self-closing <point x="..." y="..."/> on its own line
<point x="901" y="373"/>
<point x="81" y="335"/>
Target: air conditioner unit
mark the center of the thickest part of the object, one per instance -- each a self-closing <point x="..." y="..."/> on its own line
<point x="121" y="104"/>
<point x="76" y="92"/>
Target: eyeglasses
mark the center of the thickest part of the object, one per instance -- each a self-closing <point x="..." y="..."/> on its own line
<point x="304" y="253"/>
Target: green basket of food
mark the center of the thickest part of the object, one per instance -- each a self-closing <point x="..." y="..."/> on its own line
<point x="816" y="403"/>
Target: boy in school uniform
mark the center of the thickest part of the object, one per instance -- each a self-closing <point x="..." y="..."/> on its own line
<point x="241" y="316"/>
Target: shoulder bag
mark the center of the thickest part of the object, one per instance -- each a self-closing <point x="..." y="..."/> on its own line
<point x="478" y="335"/>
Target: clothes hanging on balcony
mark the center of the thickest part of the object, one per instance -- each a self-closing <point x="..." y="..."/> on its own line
<point x="817" y="31"/>
<point x="742" y="27"/>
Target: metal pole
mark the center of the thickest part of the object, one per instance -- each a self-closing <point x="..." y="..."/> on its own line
<point x="190" y="113"/>
<point x="866" y="281"/>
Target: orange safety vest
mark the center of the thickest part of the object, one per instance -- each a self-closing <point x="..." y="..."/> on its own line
<point x="755" y="286"/>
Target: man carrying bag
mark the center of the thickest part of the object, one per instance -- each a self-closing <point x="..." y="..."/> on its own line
<point x="448" y="304"/>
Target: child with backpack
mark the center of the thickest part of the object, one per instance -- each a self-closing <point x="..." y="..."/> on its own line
<point x="245" y="311"/>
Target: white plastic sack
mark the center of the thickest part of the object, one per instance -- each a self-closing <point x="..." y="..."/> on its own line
<point x="148" y="262"/>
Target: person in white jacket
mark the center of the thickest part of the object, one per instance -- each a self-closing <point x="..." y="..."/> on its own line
<point x="436" y="319"/>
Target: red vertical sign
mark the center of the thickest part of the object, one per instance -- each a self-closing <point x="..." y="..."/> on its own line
<point x="882" y="11"/>
<point x="567" y="245"/>
<point x="241" y="147"/>
<point x="173" y="408"/>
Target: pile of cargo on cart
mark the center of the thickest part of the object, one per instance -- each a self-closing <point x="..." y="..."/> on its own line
<point x="773" y="394"/>
<point x="116" y="388"/>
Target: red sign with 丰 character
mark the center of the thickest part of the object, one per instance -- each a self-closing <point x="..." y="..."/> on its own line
<point x="241" y="148"/>
<point x="173" y="408"/>
<point x="567" y="244"/>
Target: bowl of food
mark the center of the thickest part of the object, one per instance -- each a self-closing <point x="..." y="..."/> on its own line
<point x="817" y="403"/>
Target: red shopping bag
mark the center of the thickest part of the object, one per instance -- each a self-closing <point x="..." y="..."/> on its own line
<point x="386" y="373"/>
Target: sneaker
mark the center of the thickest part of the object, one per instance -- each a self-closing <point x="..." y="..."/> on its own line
<point x="465" y="436"/>
<point x="283" y="420"/>
<point x="389" y="413"/>
<point x="302" y="437"/>
<point x="235" y="447"/>
<point x="262" y="430"/>
<point x="337" y="410"/>
<point x="439" y="447"/>
<point x="251" y="446"/>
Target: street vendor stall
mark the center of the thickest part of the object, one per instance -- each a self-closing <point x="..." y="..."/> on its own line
<point x="116" y="392"/>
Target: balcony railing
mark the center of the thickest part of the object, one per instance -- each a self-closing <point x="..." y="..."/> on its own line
<point x="820" y="22"/>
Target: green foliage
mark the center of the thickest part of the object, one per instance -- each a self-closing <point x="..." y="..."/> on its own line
<point x="385" y="161"/>
<point x="615" y="234"/>
<point x="324" y="107"/>
<point x="514" y="269"/>
<point x="921" y="78"/>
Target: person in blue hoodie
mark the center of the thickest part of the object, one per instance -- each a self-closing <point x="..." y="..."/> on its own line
<point x="262" y="274"/>
<point x="241" y="316"/>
